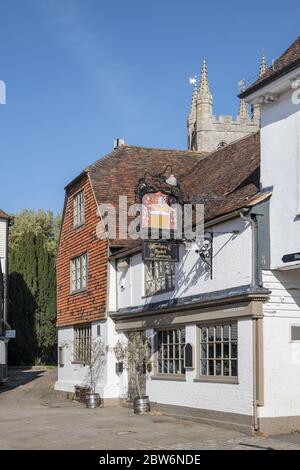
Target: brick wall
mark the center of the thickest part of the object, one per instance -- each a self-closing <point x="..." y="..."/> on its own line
<point x="89" y="305"/>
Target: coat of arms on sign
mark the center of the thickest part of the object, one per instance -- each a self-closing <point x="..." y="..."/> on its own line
<point x="159" y="194"/>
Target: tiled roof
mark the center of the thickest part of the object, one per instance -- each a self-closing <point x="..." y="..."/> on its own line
<point x="227" y="178"/>
<point x="4" y="215"/>
<point x="289" y="60"/>
<point x="224" y="180"/>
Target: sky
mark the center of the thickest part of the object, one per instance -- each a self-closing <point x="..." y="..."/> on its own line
<point x="81" y="73"/>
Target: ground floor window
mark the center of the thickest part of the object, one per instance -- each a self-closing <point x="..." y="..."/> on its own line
<point x="219" y="350"/>
<point x="170" y="351"/>
<point x="82" y="344"/>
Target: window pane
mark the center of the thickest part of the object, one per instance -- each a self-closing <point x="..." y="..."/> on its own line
<point x="211" y="368"/>
<point x="233" y="332"/>
<point x="218" y="350"/>
<point x="203" y="351"/>
<point x="218" y="367"/>
<point x="226" y="332"/>
<point x="203" y="334"/>
<point x="211" y="351"/>
<point x="234" y="368"/>
<point x="226" y="368"/>
<point x="211" y="333"/>
<point x="204" y="367"/>
<point x="225" y="350"/>
<point x="218" y="333"/>
<point x="233" y="350"/>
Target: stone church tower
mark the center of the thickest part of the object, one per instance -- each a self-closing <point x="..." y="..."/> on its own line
<point x="207" y="132"/>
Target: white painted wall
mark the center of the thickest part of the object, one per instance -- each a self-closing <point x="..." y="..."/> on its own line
<point x="109" y="384"/>
<point x="231" y="398"/>
<point x="231" y="268"/>
<point x="281" y="356"/>
<point x="280" y="168"/>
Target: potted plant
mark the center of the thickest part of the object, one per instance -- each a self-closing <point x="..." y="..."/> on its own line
<point x="135" y="355"/>
<point x="95" y="365"/>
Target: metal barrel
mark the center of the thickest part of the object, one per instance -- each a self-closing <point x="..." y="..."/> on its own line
<point x="141" y="405"/>
<point x="92" y="400"/>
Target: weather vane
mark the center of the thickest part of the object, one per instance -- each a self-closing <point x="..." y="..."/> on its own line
<point x="242" y="85"/>
<point x="193" y="80"/>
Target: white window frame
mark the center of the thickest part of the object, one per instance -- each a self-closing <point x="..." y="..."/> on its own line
<point x="82" y="343"/>
<point x="79" y="273"/>
<point x="219" y="357"/>
<point x="172" y="339"/>
<point x="156" y="278"/>
<point x="78" y="209"/>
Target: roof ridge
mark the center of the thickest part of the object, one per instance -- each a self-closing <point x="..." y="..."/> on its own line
<point x="167" y="149"/>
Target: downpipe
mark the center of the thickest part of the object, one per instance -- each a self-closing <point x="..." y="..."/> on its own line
<point x="255" y="281"/>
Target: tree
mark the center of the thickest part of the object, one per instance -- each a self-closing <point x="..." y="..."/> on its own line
<point x="32" y="286"/>
<point x="135" y="354"/>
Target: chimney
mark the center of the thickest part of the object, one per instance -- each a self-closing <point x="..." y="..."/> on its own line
<point x="118" y="143"/>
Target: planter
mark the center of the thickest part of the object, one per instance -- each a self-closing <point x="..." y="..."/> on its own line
<point x="92" y="400"/>
<point x="141" y="405"/>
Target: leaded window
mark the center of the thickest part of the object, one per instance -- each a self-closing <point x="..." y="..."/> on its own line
<point x="82" y="344"/>
<point x="170" y="351"/>
<point x="78" y="214"/>
<point x="219" y="350"/>
<point x="79" y="273"/>
<point x="159" y="276"/>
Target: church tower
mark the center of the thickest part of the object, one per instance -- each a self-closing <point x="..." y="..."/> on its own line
<point x="207" y="132"/>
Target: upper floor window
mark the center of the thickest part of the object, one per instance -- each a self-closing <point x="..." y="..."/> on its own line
<point x="78" y="206"/>
<point x="79" y="273"/>
<point x="159" y="276"/>
<point x="218" y="350"/>
<point x="82" y="344"/>
<point x="170" y="351"/>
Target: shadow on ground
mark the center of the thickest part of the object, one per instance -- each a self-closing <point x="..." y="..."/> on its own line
<point x="18" y="377"/>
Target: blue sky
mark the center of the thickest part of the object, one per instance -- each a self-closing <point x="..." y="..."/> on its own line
<point x="80" y="73"/>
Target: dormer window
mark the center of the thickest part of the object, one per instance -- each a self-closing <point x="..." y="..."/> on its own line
<point x="78" y="209"/>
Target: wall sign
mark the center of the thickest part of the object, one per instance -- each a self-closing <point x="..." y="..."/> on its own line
<point x="291" y="257"/>
<point x="188" y="356"/>
<point x="160" y="251"/>
<point x="11" y="334"/>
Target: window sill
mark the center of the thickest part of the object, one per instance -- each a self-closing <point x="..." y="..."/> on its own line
<point x="81" y="363"/>
<point x="216" y="379"/>
<point x="146" y="296"/>
<point x="177" y="378"/>
<point x="80" y="291"/>
<point x="75" y="227"/>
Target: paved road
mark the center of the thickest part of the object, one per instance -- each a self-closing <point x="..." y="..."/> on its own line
<point x="33" y="416"/>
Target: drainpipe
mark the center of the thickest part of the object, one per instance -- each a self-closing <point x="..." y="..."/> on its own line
<point x="255" y="281"/>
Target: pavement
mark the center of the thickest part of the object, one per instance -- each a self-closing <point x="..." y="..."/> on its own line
<point x="34" y="416"/>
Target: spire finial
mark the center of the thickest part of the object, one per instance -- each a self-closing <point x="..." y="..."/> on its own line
<point x="204" y="91"/>
<point x="243" y="110"/>
<point x="193" y="81"/>
<point x="263" y="65"/>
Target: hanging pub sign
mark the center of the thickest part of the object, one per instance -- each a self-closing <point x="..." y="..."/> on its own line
<point x="160" y="251"/>
<point x="158" y="212"/>
<point x="161" y="197"/>
<point x="291" y="257"/>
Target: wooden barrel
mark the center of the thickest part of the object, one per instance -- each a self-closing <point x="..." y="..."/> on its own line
<point x="141" y="405"/>
<point x="92" y="400"/>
